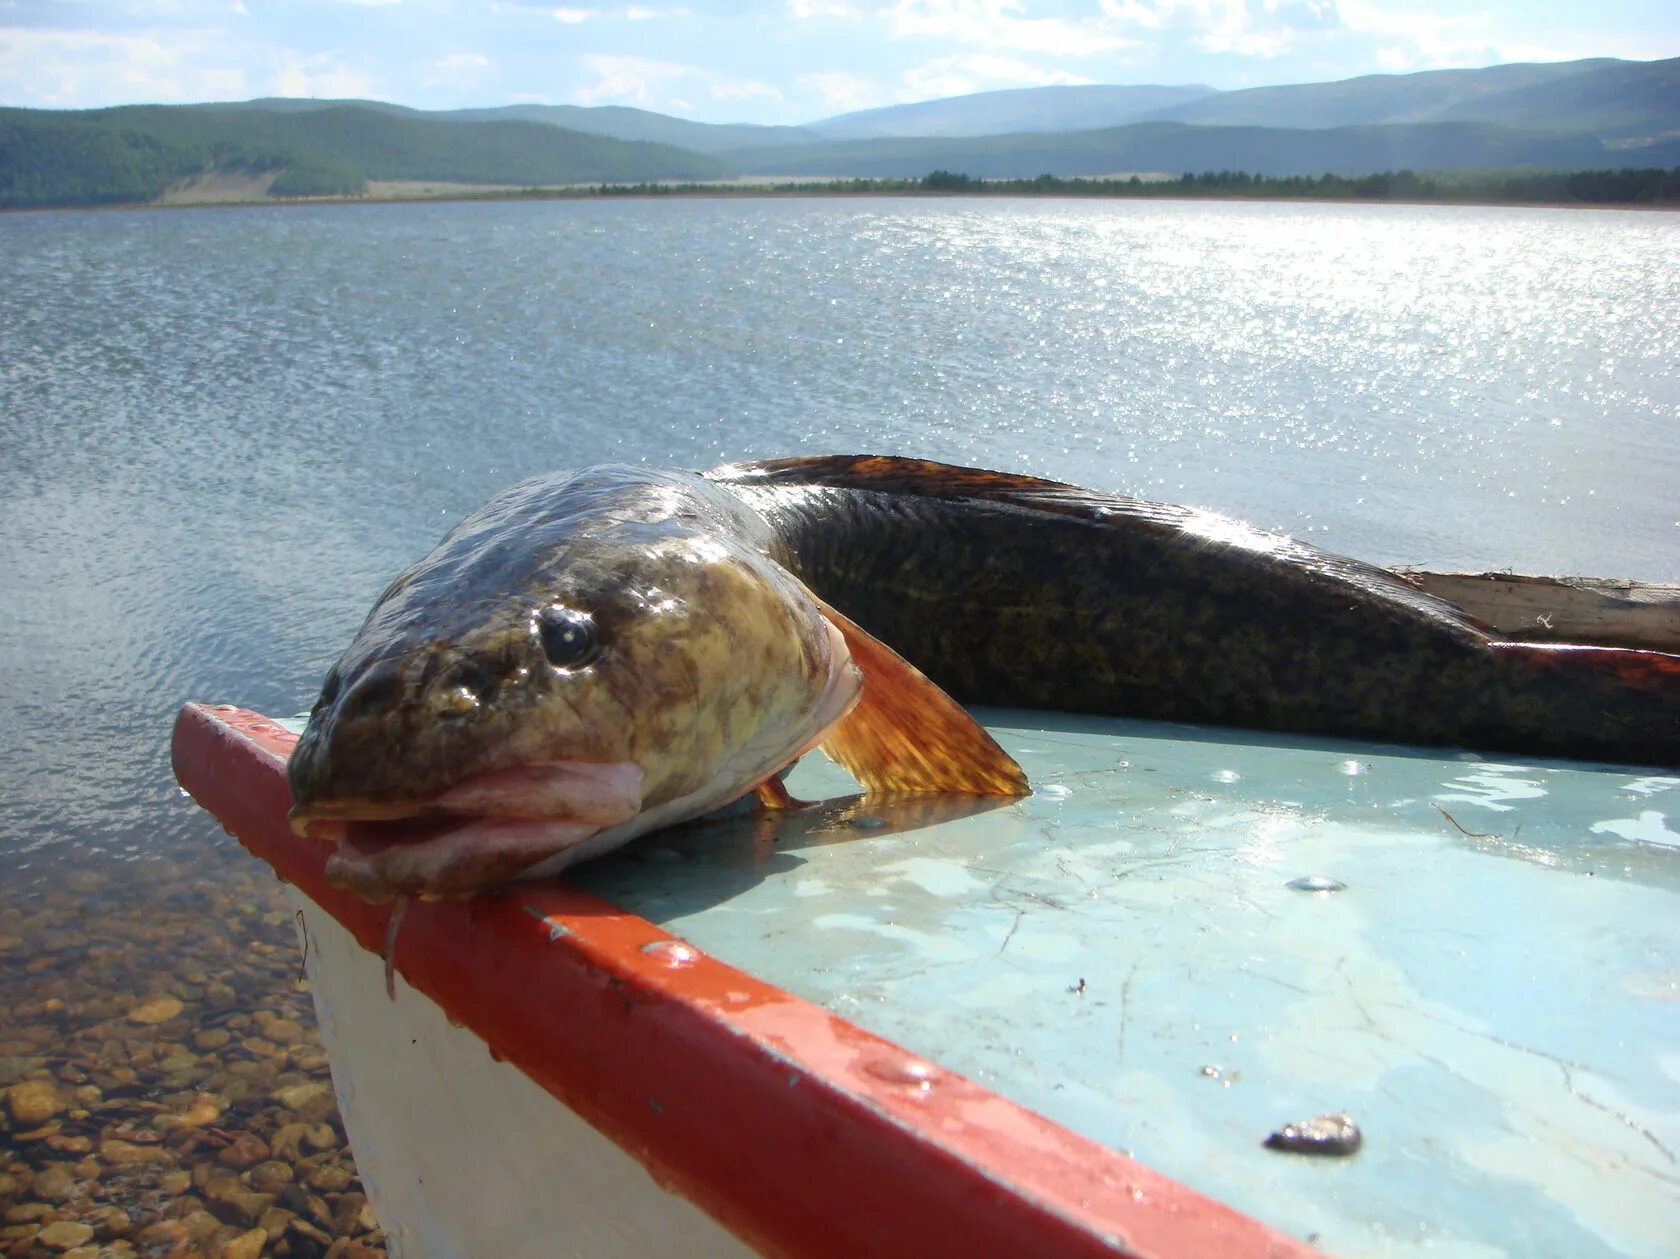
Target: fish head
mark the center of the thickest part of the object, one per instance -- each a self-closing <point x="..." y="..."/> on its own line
<point x="581" y="661"/>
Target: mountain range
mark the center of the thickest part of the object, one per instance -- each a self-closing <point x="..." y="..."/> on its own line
<point x="1594" y="113"/>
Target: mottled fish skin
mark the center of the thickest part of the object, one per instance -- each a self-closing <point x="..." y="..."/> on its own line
<point x="1012" y="590"/>
<point x="447" y="680"/>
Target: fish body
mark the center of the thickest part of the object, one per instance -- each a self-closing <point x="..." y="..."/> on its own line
<point x="596" y="654"/>
<point x="1012" y="590"/>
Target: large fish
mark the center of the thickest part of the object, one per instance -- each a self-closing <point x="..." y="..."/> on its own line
<point x="593" y="655"/>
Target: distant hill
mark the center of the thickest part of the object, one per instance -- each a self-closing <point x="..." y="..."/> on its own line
<point x="623" y="123"/>
<point x="1020" y="109"/>
<point x="1664" y="154"/>
<point x="620" y="122"/>
<point x="1601" y="96"/>
<point x="135" y="153"/>
<point x="1632" y="101"/>
<point x="1178" y="147"/>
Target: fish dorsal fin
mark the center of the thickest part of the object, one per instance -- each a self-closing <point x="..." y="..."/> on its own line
<point x="907" y="735"/>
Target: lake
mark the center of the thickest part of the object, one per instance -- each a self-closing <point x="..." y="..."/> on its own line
<point x="222" y="431"/>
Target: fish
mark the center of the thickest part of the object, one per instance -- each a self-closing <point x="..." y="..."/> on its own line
<point x="600" y="653"/>
<point x="588" y="657"/>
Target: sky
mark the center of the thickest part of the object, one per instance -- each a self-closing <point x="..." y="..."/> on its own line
<point x="766" y="61"/>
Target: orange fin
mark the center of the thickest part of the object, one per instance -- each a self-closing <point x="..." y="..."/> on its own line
<point x="773" y="794"/>
<point x="907" y="735"/>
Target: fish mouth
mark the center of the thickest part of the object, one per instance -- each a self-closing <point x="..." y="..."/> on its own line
<point x="480" y="832"/>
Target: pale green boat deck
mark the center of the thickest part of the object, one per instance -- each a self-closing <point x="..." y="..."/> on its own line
<point x="1122" y="952"/>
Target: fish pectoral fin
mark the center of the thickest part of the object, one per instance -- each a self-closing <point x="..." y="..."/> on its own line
<point x="907" y="735"/>
<point x="773" y="794"/>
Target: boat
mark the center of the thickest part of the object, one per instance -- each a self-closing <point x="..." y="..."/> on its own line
<point x="1096" y="1021"/>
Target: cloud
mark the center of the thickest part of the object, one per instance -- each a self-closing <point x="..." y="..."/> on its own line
<point x="459" y="68"/>
<point x="802" y="9"/>
<point x="1249" y="28"/>
<point x="1418" y="39"/>
<point x="844" y="92"/>
<point x="666" y="85"/>
<point x="321" y="75"/>
<point x="86" y="69"/>
<point x="998" y="24"/>
<point x="746" y="89"/>
<point x="960" y="75"/>
<point x="630" y="80"/>
<point x="632" y="13"/>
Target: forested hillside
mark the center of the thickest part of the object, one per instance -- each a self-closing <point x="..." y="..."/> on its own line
<point x="135" y="153"/>
<point x="1174" y="147"/>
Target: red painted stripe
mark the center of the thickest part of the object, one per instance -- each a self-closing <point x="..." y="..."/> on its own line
<point x="800" y="1132"/>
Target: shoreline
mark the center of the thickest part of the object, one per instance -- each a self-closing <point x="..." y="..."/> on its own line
<point x="750" y="192"/>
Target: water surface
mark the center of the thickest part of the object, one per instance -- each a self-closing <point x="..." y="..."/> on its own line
<point x="224" y="430"/>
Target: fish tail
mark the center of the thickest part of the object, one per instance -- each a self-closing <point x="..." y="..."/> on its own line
<point x="1619" y="703"/>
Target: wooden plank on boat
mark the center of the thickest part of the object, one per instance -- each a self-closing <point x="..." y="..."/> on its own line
<point x="1597" y="610"/>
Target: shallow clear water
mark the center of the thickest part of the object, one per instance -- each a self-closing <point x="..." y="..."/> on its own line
<point x="222" y="432"/>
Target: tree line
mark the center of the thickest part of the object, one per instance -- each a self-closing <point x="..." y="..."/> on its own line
<point x="1654" y="186"/>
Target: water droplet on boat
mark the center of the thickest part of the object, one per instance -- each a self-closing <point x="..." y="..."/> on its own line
<point x="1352" y="768"/>
<point x="868" y="822"/>
<point x="1321" y="883"/>
<point x="1226" y="776"/>
<point x="674" y="953"/>
<point x="919" y="1076"/>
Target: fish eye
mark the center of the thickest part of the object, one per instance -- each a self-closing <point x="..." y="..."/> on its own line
<point x="568" y="637"/>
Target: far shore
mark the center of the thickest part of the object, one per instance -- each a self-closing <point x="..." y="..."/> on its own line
<point x="232" y="191"/>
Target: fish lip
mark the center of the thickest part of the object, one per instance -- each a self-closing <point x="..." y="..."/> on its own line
<point x="605" y="792"/>
<point x="479" y="854"/>
<point x="476" y="833"/>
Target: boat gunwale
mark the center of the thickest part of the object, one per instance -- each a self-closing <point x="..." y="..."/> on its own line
<point x="797" y="1130"/>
